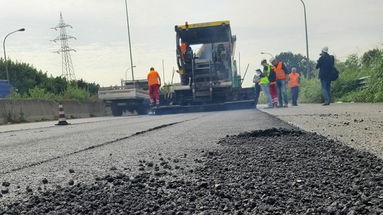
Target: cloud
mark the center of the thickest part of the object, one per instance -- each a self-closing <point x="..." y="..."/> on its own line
<point x="346" y="26"/>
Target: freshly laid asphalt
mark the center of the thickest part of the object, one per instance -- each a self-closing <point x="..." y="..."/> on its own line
<point x="92" y="149"/>
<point x="185" y="164"/>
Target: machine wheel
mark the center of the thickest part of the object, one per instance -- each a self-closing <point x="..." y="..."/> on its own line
<point x="182" y="97"/>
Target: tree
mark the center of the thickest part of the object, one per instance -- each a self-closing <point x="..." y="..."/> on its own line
<point x="295" y="60"/>
<point x="27" y="80"/>
<point x="370" y="56"/>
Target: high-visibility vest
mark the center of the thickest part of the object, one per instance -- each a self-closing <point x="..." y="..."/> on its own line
<point x="294" y="80"/>
<point x="265" y="79"/>
<point x="153" y="78"/>
<point x="279" y="73"/>
<point x="183" y="48"/>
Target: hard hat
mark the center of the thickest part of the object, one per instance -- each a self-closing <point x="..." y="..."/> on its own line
<point x="325" y="49"/>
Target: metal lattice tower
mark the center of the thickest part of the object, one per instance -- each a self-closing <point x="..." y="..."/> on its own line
<point x="67" y="65"/>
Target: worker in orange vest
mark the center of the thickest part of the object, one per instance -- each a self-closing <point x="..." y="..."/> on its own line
<point x="294" y="81"/>
<point x="183" y="48"/>
<point x="154" y="82"/>
<point x="281" y="78"/>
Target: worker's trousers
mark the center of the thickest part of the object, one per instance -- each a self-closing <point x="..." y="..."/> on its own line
<point x="266" y="91"/>
<point x="257" y="90"/>
<point x="326" y="89"/>
<point x="154" y="94"/>
<point x="274" y="93"/>
<point x="294" y="95"/>
<point x="282" y="92"/>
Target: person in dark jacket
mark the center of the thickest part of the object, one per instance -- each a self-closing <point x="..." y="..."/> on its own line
<point x="325" y="65"/>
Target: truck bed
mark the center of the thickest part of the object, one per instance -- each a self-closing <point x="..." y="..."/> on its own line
<point x="121" y="93"/>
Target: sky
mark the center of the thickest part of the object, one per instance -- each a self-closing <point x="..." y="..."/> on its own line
<point x="102" y="50"/>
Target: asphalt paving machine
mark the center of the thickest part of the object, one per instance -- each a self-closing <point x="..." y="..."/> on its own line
<point x="208" y="73"/>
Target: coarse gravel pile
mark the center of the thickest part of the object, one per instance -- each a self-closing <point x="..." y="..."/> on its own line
<point x="275" y="171"/>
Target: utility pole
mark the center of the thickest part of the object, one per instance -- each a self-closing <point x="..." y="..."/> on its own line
<point x="173" y="75"/>
<point x="239" y="62"/>
<point x="67" y="69"/>
<point x="130" y="44"/>
<point x="307" y="42"/>
<point x="163" y="71"/>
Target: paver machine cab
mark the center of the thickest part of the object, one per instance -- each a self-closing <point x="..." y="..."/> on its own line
<point x="208" y="75"/>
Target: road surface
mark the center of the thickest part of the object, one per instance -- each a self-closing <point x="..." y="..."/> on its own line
<point x="229" y="162"/>
<point x="91" y="147"/>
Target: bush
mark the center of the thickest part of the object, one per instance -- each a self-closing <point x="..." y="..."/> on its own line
<point x="30" y="83"/>
<point x="310" y="91"/>
<point x="74" y="92"/>
<point x="38" y="93"/>
<point x="348" y="87"/>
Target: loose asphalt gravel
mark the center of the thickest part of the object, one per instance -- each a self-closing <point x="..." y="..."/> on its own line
<point x="272" y="171"/>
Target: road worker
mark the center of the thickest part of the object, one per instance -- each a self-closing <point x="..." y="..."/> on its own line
<point x="267" y="68"/>
<point x="265" y="85"/>
<point x="294" y="81"/>
<point x="280" y="72"/>
<point x="257" y="87"/>
<point x="154" y="82"/>
<point x="183" y="47"/>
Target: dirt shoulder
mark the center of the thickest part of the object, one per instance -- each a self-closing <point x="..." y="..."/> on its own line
<point x="357" y="125"/>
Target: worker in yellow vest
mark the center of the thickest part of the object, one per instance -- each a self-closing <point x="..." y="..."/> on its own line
<point x="281" y="78"/>
<point x="294" y="80"/>
<point x="273" y="84"/>
<point x="267" y="76"/>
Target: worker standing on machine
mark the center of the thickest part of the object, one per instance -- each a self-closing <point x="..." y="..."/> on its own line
<point x="183" y="47"/>
<point x="154" y="82"/>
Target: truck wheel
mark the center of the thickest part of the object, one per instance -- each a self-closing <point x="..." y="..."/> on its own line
<point x="143" y="108"/>
<point x="116" y="111"/>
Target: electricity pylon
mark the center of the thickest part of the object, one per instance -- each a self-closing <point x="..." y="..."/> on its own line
<point x="67" y="65"/>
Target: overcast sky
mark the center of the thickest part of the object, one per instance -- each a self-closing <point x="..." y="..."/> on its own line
<point x="345" y="26"/>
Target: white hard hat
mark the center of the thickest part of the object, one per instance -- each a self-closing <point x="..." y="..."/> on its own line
<point x="325" y="49"/>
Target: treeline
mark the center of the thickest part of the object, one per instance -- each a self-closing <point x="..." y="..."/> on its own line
<point x="30" y="83"/>
<point x="360" y="78"/>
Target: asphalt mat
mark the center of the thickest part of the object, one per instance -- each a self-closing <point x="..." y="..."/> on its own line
<point x="274" y="171"/>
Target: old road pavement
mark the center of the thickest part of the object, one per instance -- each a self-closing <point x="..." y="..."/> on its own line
<point x="196" y="163"/>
